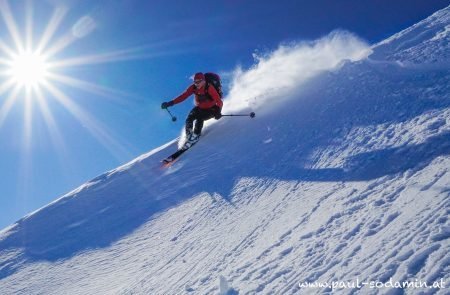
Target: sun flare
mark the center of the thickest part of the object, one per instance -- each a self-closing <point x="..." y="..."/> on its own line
<point x="28" y="69"/>
<point x="34" y="72"/>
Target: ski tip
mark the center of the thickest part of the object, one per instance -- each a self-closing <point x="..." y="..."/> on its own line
<point x="165" y="165"/>
<point x="167" y="162"/>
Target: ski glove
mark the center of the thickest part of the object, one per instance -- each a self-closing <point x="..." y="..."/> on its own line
<point x="165" y="105"/>
<point x="218" y="113"/>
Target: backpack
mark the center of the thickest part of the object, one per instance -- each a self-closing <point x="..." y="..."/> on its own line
<point x="214" y="80"/>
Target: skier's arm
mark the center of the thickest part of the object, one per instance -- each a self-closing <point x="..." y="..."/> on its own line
<point x="213" y="93"/>
<point x="188" y="92"/>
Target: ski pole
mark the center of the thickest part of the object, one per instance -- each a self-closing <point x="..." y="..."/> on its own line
<point x="172" y="116"/>
<point x="251" y="115"/>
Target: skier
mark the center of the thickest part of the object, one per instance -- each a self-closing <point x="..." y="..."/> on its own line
<point x="208" y="105"/>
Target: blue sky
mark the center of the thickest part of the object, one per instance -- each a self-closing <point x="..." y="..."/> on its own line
<point x="120" y="59"/>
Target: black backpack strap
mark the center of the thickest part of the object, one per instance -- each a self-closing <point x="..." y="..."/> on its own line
<point x="207" y="92"/>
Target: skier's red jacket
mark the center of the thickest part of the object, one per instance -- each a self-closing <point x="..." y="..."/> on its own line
<point x="204" y="98"/>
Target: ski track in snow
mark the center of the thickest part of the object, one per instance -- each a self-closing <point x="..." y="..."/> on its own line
<point x="351" y="182"/>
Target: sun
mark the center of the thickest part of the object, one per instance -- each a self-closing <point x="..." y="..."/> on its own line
<point x="28" y="69"/>
<point x="34" y="72"/>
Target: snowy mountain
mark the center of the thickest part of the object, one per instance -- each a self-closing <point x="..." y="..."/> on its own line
<point x="342" y="178"/>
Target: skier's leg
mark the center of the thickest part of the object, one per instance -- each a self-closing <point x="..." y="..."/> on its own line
<point x="190" y="121"/>
<point x="202" y="116"/>
<point x="198" y="126"/>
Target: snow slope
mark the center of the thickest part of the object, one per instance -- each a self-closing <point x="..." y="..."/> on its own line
<point x="343" y="176"/>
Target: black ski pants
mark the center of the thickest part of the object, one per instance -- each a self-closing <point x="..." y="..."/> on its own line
<point x="199" y="116"/>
